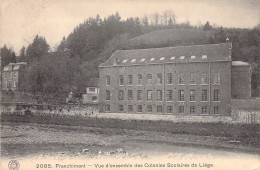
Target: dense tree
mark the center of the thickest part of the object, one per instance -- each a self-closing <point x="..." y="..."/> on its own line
<point x="37" y="48"/>
<point x="63" y="45"/>
<point x="7" y="56"/>
<point x="22" y="56"/>
<point x="220" y="36"/>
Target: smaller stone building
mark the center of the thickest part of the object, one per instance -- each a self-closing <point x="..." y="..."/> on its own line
<point x="241" y="80"/>
<point x="11" y="76"/>
<point x="92" y="92"/>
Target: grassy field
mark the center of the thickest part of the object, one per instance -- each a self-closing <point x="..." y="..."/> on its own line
<point x="244" y="133"/>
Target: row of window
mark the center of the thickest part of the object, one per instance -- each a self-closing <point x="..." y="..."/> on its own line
<point x="10" y="74"/>
<point x="161" y="59"/>
<point x="9" y="84"/>
<point x="169" y="95"/>
<point x="169" y="78"/>
<point x="159" y="109"/>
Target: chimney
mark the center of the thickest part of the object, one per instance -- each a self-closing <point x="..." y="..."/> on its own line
<point x="227" y="40"/>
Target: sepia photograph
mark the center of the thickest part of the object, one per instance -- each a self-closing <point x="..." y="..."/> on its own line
<point x="130" y="84"/>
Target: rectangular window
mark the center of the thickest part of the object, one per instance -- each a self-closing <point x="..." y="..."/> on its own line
<point x="216" y="78"/>
<point x="149" y="79"/>
<point x="169" y="78"/>
<point x="192" y="109"/>
<point x="149" y="94"/>
<point x="107" y="80"/>
<point x="159" y="109"/>
<point x="204" y="95"/>
<point x="192" y="78"/>
<point x="107" y="95"/>
<point x="94" y="98"/>
<point x="121" y="108"/>
<point x="140" y="79"/>
<point x="139" y="95"/>
<point x="216" y="95"/>
<point x="181" y="109"/>
<point x="120" y="95"/>
<point x="169" y="109"/>
<point x="107" y="108"/>
<point x="139" y="108"/>
<point x="181" y="95"/>
<point x="204" y="78"/>
<point x="192" y="95"/>
<point x="130" y="108"/>
<point x="169" y="95"/>
<point x="130" y="94"/>
<point x="159" y="95"/>
<point x="149" y="108"/>
<point x="92" y="89"/>
<point x="204" y="109"/>
<point x="121" y="80"/>
<point x="159" y="79"/>
<point x="181" y="79"/>
<point x="130" y="79"/>
<point x="216" y="110"/>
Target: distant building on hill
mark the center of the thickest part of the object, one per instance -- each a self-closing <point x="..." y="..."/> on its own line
<point x="92" y="92"/>
<point x="186" y="80"/>
<point x="11" y="76"/>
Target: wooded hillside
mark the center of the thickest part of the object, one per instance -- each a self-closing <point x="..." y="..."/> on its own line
<point x="93" y="42"/>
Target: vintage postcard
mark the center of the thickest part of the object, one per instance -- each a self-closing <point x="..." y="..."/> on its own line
<point x="130" y="84"/>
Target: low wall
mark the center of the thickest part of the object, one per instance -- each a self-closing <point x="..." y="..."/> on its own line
<point x="245" y="116"/>
<point x="172" y="118"/>
<point x="41" y="110"/>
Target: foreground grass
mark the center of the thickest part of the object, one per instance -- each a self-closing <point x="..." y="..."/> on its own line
<point x="247" y="134"/>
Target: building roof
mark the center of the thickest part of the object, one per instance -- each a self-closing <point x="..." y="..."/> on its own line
<point x="93" y="82"/>
<point x="194" y="53"/>
<point x="240" y="63"/>
<point x="13" y="66"/>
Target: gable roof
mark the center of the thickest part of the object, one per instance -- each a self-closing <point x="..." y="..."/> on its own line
<point x="195" y="53"/>
<point x="14" y="66"/>
<point x="93" y="82"/>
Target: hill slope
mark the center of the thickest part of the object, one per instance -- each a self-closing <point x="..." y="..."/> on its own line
<point x="172" y="37"/>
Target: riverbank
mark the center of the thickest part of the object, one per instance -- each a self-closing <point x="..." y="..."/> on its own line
<point x="243" y="134"/>
<point x="29" y="139"/>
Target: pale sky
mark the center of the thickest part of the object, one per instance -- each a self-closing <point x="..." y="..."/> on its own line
<point x="21" y="20"/>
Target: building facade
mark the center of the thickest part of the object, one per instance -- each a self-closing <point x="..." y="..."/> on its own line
<point x="187" y="80"/>
<point x="11" y="76"/>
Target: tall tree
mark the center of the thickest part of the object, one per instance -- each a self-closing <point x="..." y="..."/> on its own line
<point x="22" y="56"/>
<point x="63" y="45"/>
<point x="37" y="48"/>
<point x="207" y="26"/>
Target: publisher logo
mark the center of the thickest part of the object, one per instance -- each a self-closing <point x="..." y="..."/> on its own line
<point x="13" y="165"/>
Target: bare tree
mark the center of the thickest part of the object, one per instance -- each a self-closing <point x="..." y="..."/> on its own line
<point x="156" y="18"/>
<point x="168" y="15"/>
